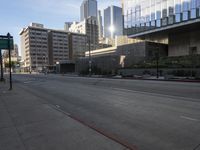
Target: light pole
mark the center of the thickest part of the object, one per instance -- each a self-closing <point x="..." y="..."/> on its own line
<point x="89" y="47"/>
<point x="45" y="64"/>
<point x="90" y="60"/>
<point x="57" y="67"/>
<point x="157" y="62"/>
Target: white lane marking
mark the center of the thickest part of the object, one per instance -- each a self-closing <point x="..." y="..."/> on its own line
<point x="189" y="118"/>
<point x="124" y="90"/>
<point x="57" y="106"/>
<point x="27" y="82"/>
<point x="156" y="94"/>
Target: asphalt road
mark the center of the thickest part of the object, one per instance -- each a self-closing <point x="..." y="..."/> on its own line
<point x="152" y="115"/>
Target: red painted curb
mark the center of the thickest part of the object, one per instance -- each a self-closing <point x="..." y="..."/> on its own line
<point x="102" y="132"/>
<point x="108" y="135"/>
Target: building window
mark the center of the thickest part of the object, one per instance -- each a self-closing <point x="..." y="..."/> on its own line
<point x="193" y="13"/>
<point x="178" y="18"/>
<point x="185" y="15"/>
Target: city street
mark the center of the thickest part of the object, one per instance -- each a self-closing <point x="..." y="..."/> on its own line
<point x="149" y="115"/>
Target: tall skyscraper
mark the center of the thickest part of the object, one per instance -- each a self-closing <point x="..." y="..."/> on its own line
<point x="100" y="24"/>
<point x="113" y="22"/>
<point x="67" y="26"/>
<point x="88" y="8"/>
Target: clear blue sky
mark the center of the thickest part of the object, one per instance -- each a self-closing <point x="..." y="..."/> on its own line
<point x="16" y="14"/>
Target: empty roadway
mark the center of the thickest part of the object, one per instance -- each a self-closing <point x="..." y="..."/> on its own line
<point x="153" y="115"/>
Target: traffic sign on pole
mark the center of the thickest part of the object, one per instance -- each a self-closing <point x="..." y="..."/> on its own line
<point x="10" y="65"/>
<point x="7" y="43"/>
<point x="4" y="42"/>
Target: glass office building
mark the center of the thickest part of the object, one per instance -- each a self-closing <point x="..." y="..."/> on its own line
<point x="144" y="15"/>
<point x="113" y="22"/>
<point x="88" y="8"/>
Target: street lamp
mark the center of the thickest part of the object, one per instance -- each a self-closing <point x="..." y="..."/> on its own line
<point x="157" y="62"/>
<point x="90" y="59"/>
<point x="57" y="67"/>
<point x="45" y="64"/>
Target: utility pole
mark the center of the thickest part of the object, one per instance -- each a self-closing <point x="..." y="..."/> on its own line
<point x="1" y="62"/>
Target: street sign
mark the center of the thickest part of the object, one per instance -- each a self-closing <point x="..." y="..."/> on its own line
<point x="4" y="42"/>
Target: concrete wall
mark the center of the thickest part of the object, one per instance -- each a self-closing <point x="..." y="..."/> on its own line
<point x="180" y="43"/>
<point x="136" y="49"/>
<point x="124" y="56"/>
<point x="153" y="72"/>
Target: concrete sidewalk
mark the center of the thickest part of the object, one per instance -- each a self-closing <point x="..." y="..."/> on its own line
<point x="29" y="123"/>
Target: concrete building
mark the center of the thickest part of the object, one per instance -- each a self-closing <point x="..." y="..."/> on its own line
<point x="58" y="47"/>
<point x="113" y="22"/>
<point x="100" y="24"/>
<point x="120" y="40"/>
<point x="89" y="27"/>
<point x="77" y="45"/>
<point x="42" y="48"/>
<point x="15" y="52"/>
<point x="109" y="60"/>
<point x="88" y="8"/>
<point x="140" y="49"/>
<point x="36" y="25"/>
<point x="15" y="58"/>
<point x="34" y="45"/>
<point x="173" y="22"/>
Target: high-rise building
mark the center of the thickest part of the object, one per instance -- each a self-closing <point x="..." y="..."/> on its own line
<point x="89" y="27"/>
<point x="77" y="45"/>
<point x="67" y="26"/>
<point x="43" y="47"/>
<point x="36" y="25"/>
<point x="15" y="52"/>
<point x="14" y="56"/>
<point x="113" y="22"/>
<point x="100" y="25"/>
<point x="34" y="45"/>
<point x="88" y="8"/>
<point x="173" y="22"/>
<point x="58" y="46"/>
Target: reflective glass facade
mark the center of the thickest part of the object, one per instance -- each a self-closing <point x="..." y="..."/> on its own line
<point x="143" y="15"/>
<point x="113" y="18"/>
<point x="88" y="8"/>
